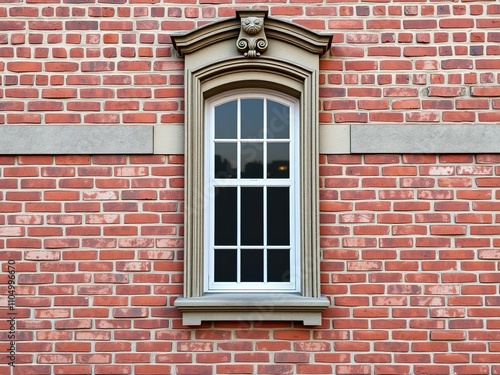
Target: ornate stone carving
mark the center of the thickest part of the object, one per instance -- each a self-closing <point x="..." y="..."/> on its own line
<point x="252" y="40"/>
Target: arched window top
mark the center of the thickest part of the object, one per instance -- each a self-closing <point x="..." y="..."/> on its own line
<point x="260" y="93"/>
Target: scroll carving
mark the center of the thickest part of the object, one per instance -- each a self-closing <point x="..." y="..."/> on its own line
<point x="252" y="40"/>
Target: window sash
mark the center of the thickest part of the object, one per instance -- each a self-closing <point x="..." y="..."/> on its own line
<point x="292" y="182"/>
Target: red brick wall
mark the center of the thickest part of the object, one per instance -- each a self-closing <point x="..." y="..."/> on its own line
<point x="82" y="62"/>
<point x="410" y="242"/>
<point x="410" y="262"/>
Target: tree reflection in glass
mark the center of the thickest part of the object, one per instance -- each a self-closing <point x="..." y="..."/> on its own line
<point x="225" y="160"/>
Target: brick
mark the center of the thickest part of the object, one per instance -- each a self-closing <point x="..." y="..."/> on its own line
<point x="24" y="66"/>
<point x="234" y="369"/>
<point x="485" y="91"/>
<point x="419" y="24"/>
<point x="457" y="64"/>
<point x="454" y="23"/>
<point x="72" y="369"/>
<point x="408" y="241"/>
<point x="59" y="93"/>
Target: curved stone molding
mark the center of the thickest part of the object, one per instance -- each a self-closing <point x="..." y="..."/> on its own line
<point x="252" y="40"/>
<point x="286" y="32"/>
<point x="309" y="41"/>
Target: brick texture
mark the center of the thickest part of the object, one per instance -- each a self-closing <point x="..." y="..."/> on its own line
<point x="410" y="263"/>
<point x="391" y="62"/>
<point x="410" y="243"/>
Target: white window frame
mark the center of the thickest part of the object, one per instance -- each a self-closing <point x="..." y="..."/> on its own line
<point x="292" y="182"/>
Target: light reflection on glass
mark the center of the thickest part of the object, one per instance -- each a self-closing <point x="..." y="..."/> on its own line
<point x="252" y="156"/>
<point x="278" y="160"/>
<point x="225" y="160"/>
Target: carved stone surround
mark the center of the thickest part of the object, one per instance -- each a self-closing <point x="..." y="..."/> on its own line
<point x="251" y="51"/>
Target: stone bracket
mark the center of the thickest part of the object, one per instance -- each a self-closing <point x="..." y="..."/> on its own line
<point x="252" y="40"/>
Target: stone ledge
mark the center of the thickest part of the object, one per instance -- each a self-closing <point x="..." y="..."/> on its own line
<point x="252" y="307"/>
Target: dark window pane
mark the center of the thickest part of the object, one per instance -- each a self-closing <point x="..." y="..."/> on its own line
<point x="252" y="118"/>
<point x="278" y="120"/>
<point x="225" y="120"/>
<point x="278" y="265"/>
<point x="225" y="216"/>
<point x="225" y="160"/>
<point x="278" y="216"/>
<point x="252" y="265"/>
<point x="252" y="216"/>
<point x="226" y="265"/>
<point x="251" y="160"/>
<point x="278" y="160"/>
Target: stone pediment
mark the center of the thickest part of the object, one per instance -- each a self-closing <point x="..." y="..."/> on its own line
<point x="252" y="31"/>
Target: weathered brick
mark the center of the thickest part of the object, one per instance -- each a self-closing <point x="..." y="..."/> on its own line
<point x="408" y="242"/>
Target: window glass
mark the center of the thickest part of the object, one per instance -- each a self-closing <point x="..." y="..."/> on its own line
<point x="252" y="118"/>
<point x="278" y="120"/>
<point x="225" y="120"/>
<point x="225" y="216"/>
<point x="226" y="265"/>
<point x="278" y="265"/>
<point x="252" y="213"/>
<point x="225" y="160"/>
<point x="278" y="160"/>
<point x="278" y="216"/>
<point x="252" y="265"/>
<point x="252" y="155"/>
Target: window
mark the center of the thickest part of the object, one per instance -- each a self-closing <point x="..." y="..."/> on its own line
<point x="251" y="177"/>
<point x="251" y="160"/>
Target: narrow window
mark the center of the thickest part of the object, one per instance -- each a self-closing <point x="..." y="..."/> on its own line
<point x="251" y="156"/>
<point x="252" y="184"/>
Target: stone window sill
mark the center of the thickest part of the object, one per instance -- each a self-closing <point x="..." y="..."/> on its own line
<point x="252" y="307"/>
